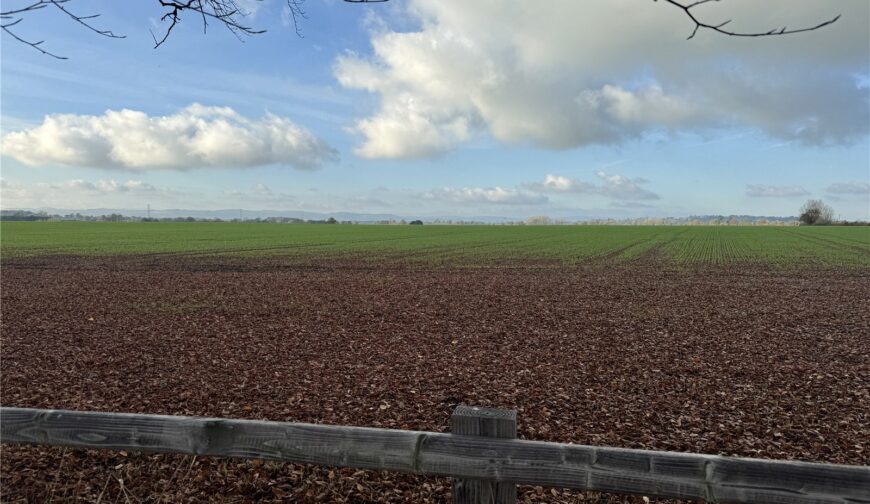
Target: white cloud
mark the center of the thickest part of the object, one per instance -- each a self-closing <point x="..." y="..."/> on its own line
<point x="12" y="193"/>
<point x="79" y="193"/>
<point x="624" y="188"/>
<point x="616" y="187"/>
<point x="559" y="183"/>
<point x="105" y="186"/>
<point x="853" y="187"/>
<point x="250" y="8"/>
<point x="576" y="73"/>
<point x="775" y="191"/>
<point x="197" y="136"/>
<point x="494" y="195"/>
<point x="263" y="190"/>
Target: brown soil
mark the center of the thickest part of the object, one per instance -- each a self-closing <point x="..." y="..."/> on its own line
<point x="754" y="363"/>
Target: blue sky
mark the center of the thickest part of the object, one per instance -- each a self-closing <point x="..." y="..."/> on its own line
<point x="443" y="108"/>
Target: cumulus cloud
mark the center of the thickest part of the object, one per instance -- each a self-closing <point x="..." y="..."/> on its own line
<point x="557" y="77"/>
<point x="775" y="191"/>
<point x="618" y="187"/>
<point x="495" y="195"/>
<point x="562" y="184"/>
<point x="624" y="188"/>
<point x="615" y="187"/>
<point x="853" y="187"/>
<point x="197" y="136"/>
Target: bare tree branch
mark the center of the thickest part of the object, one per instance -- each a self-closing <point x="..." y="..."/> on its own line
<point x="229" y="14"/>
<point x="226" y="12"/>
<point x="34" y="45"/>
<point x="82" y="20"/>
<point x="32" y="7"/>
<point x="297" y="13"/>
<point x="687" y="8"/>
<point x="15" y="16"/>
<point x="294" y="7"/>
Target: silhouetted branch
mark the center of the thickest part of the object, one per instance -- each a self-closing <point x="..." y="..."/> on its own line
<point x="294" y="8"/>
<point x="34" y="45"/>
<point x="228" y="13"/>
<point x="15" y="16"/>
<point x="82" y="20"/>
<point x="687" y="8"/>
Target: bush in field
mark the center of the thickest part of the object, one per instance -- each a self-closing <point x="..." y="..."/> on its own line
<point x="816" y="213"/>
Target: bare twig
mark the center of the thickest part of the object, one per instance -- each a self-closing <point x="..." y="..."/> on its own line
<point x="34" y="45"/>
<point x="228" y="13"/>
<point x="38" y="5"/>
<point x="82" y="20"/>
<point x="15" y="16"/>
<point x="294" y="7"/>
<point x="687" y="8"/>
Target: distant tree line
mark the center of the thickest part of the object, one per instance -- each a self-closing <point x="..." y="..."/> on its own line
<point x="693" y="220"/>
<point x="26" y="215"/>
<point x="814" y="212"/>
<point x="23" y="215"/>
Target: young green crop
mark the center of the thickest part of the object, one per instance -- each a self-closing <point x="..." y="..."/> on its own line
<point x="598" y="245"/>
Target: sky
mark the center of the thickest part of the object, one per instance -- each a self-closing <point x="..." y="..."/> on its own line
<point x="591" y="109"/>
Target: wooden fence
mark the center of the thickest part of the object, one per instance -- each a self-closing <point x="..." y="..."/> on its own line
<point x="482" y="454"/>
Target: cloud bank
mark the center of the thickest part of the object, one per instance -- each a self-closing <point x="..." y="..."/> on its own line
<point x="853" y="187"/>
<point x="496" y="195"/>
<point x="573" y="73"/>
<point x="79" y="193"/>
<point x="195" y="137"/>
<point x="775" y="191"/>
<point x="616" y="187"/>
<point x="107" y="186"/>
<point x="627" y="190"/>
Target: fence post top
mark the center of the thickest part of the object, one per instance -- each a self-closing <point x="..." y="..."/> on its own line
<point x="464" y="410"/>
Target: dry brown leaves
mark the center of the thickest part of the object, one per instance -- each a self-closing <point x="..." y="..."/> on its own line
<point x="752" y="363"/>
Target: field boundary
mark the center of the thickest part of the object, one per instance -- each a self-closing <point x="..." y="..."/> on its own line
<point x="480" y="453"/>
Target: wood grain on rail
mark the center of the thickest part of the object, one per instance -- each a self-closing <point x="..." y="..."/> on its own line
<point x="653" y="473"/>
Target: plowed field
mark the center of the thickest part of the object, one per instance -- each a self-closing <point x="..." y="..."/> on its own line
<point x="740" y="361"/>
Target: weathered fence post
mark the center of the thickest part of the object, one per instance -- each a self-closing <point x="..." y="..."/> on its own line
<point x="484" y="422"/>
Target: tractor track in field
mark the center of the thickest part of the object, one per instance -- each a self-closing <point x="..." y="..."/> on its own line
<point x="849" y="245"/>
<point x="654" y="254"/>
<point x="729" y="360"/>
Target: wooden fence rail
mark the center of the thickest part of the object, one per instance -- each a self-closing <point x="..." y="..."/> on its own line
<point x="467" y="456"/>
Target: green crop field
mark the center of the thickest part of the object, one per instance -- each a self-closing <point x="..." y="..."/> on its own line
<point x="781" y="246"/>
